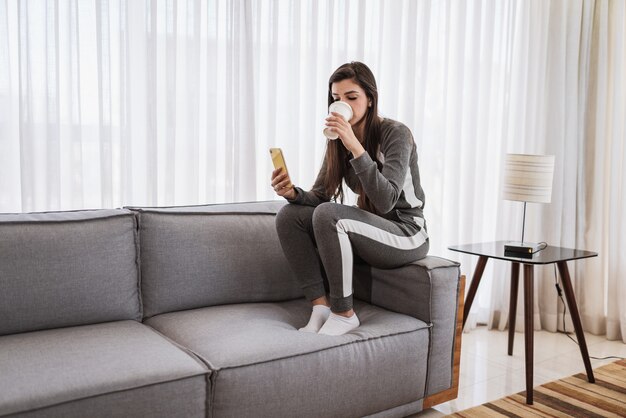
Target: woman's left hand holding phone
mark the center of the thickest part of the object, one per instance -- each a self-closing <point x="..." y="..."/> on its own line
<point x="281" y="182"/>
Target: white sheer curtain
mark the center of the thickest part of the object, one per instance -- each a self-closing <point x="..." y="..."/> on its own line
<point x="169" y="102"/>
<point x="567" y="98"/>
<point x="110" y="103"/>
<point x="602" y="225"/>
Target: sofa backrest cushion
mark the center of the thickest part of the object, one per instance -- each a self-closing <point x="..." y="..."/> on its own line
<point x="61" y="269"/>
<point x="200" y="256"/>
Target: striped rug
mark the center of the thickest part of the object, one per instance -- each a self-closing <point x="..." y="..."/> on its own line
<point x="572" y="396"/>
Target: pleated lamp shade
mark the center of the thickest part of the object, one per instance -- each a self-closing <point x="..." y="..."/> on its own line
<point x="528" y="178"/>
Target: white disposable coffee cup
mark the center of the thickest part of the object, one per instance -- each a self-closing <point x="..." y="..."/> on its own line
<point x="344" y="110"/>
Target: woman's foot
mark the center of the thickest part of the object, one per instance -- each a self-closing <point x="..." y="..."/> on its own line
<point x="339" y="325"/>
<point x="318" y="318"/>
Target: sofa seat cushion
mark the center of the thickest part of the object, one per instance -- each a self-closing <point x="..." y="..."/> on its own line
<point x="263" y="366"/>
<point x="46" y="368"/>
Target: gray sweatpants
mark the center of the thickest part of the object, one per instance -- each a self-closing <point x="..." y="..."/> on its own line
<point x="330" y="235"/>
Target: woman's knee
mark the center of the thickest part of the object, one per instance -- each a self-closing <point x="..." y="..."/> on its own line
<point x="285" y="216"/>
<point x="326" y="214"/>
<point x="423" y="249"/>
<point x="290" y="216"/>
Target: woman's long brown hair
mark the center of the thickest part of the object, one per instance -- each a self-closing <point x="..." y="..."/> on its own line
<point x="337" y="156"/>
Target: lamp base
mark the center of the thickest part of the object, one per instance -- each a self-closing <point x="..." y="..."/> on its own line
<point x="521" y="249"/>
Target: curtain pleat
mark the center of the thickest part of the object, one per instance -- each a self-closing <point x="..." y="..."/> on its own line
<point x="75" y="123"/>
<point x="210" y="115"/>
<point x="188" y="188"/>
<point x="151" y="168"/>
<point x="616" y="309"/>
<point x="10" y="182"/>
<point x="26" y="126"/>
<point x="125" y="110"/>
<point x="53" y="154"/>
<point x="103" y="38"/>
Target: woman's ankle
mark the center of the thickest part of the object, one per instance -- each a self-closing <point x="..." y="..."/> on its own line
<point x="346" y="314"/>
<point x="321" y="301"/>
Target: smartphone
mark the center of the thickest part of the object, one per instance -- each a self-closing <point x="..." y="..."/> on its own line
<point x="279" y="162"/>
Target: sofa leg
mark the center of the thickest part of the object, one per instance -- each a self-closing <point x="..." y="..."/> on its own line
<point x="452" y="393"/>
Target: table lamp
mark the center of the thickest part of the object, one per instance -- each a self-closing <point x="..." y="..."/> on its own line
<point x="527" y="178"/>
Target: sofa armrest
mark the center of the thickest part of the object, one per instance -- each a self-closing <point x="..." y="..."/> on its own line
<point x="428" y="290"/>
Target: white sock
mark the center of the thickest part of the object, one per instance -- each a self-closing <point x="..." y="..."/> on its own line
<point x="339" y="325"/>
<point x="318" y="317"/>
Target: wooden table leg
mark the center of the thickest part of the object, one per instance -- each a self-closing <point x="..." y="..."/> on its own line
<point x="573" y="309"/>
<point x="529" y="329"/>
<point x="478" y="273"/>
<point x="513" y="304"/>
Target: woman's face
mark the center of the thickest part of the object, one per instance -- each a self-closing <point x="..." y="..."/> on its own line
<point x="350" y="92"/>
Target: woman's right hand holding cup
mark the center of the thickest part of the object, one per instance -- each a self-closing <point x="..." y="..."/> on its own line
<point x="282" y="184"/>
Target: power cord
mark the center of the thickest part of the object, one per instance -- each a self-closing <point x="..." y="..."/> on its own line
<point x="545" y="245"/>
<point x="560" y="293"/>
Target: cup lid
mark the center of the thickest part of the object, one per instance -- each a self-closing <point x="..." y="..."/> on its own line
<point x="341" y="107"/>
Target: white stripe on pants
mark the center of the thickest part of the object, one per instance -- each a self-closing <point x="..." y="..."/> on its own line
<point x="345" y="226"/>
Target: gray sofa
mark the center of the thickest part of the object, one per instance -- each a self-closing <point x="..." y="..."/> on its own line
<point x="191" y="312"/>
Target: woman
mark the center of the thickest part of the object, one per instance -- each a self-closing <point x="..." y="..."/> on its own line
<point x="378" y="161"/>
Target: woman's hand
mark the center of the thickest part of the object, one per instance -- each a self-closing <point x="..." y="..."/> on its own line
<point x="280" y="182"/>
<point x="339" y="125"/>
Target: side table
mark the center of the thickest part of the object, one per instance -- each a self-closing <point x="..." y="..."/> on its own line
<point x="549" y="255"/>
